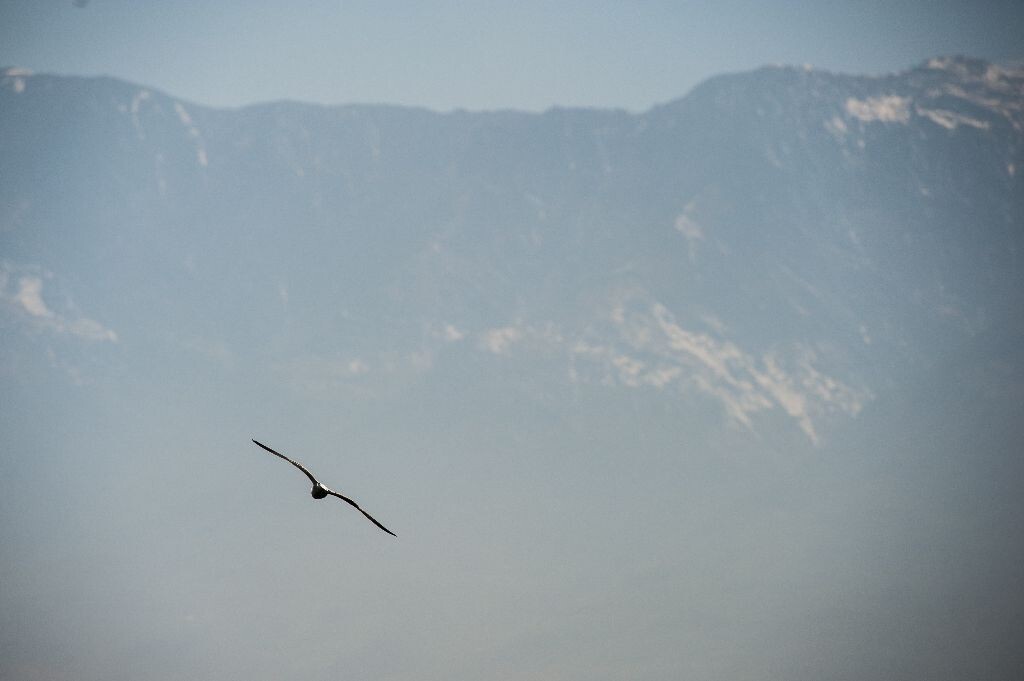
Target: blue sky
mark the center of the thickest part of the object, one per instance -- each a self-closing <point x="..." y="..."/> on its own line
<point x="484" y="55"/>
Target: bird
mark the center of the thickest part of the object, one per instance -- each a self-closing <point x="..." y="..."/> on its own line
<point x="320" y="491"/>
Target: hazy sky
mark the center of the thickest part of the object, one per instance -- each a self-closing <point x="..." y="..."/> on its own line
<point x="484" y="55"/>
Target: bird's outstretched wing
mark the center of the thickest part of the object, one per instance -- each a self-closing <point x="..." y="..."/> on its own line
<point x="368" y="516"/>
<point x="294" y="463"/>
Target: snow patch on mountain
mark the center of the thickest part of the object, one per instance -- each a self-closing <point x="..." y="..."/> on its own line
<point x="950" y="119"/>
<point x="686" y="225"/>
<point x="14" y="78"/>
<point x="21" y="297"/>
<point x="886" y="109"/>
<point x="135" y="107"/>
<point x="452" y="333"/>
<point x="498" y="341"/>
<point x="645" y="346"/>
<point x="745" y="383"/>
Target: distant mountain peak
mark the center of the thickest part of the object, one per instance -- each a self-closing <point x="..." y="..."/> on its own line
<point x="976" y="70"/>
<point x="959" y="64"/>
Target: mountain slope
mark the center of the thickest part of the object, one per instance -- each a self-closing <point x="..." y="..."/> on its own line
<point x="776" y="239"/>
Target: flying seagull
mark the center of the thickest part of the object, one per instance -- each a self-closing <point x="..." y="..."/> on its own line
<point x="319" y="491"/>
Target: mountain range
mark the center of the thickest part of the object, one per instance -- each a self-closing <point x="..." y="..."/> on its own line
<point x="782" y="242"/>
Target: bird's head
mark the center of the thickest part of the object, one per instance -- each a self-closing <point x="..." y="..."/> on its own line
<point x="318" y="492"/>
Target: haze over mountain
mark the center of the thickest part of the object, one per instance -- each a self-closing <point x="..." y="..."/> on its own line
<point x="760" y="345"/>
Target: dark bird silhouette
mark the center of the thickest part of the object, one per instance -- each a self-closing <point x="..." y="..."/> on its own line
<point x="319" y="491"/>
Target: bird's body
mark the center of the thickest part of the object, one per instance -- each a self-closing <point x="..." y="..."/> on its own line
<point x="320" y="491"/>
